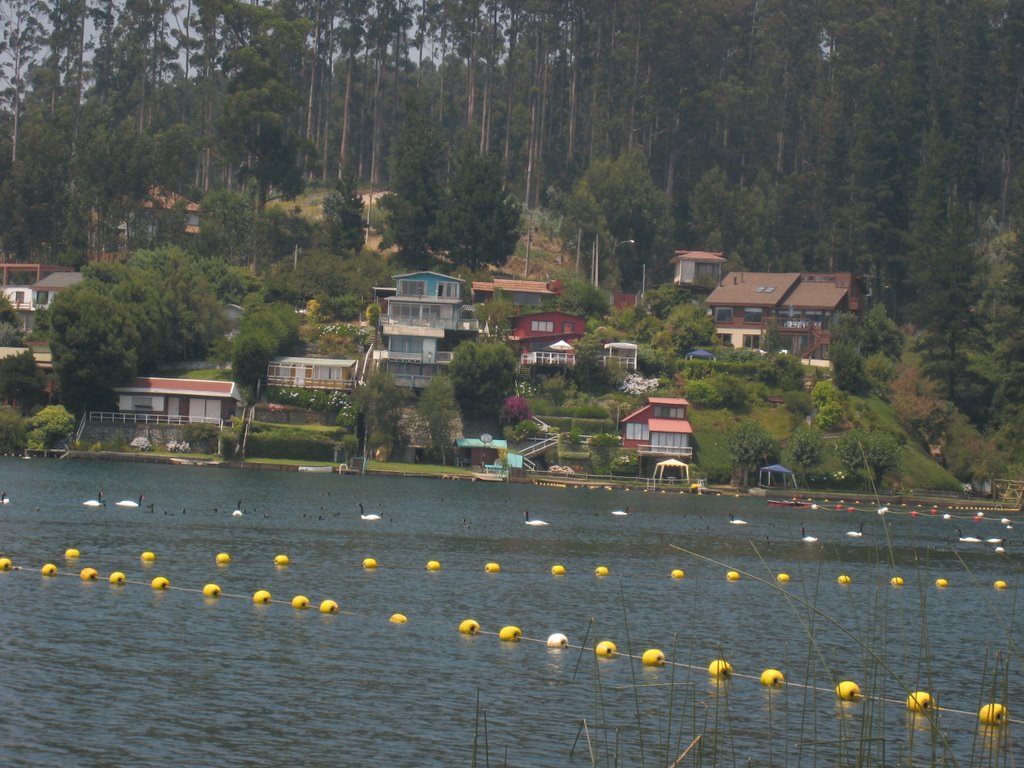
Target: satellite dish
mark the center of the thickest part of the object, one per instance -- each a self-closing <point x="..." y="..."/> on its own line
<point x="486" y="437"/>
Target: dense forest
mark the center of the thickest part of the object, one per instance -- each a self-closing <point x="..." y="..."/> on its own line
<point x="878" y="137"/>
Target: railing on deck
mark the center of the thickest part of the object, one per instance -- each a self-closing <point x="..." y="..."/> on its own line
<point x="113" y="417"/>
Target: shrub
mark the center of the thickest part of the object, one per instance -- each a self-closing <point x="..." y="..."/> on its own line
<point x="514" y="410"/>
<point x="605" y="440"/>
<point x="829" y="417"/>
<point x="703" y="393"/>
<point x="798" y="403"/>
<point x="199" y="434"/>
<point x="289" y="444"/>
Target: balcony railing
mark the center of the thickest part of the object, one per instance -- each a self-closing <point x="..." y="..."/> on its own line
<point x="115" y="417"/>
<point x="420" y="358"/>
<point x="446" y="323"/>
<point x="310" y="383"/>
<point x="675" y="451"/>
<point x="628" y="363"/>
<point x="548" y="358"/>
<point x="416" y="381"/>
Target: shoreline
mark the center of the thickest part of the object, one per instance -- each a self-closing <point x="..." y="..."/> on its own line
<point x="810" y="496"/>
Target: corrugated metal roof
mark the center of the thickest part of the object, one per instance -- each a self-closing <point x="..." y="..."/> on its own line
<point x="677" y="426"/>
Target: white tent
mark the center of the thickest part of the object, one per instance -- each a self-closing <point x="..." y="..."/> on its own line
<point x="661" y="466"/>
<point x="561" y="346"/>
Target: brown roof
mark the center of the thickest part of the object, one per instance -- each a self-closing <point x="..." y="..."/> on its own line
<point x="753" y="288"/>
<point x="698" y="256"/>
<point x="518" y="286"/>
<point x="817" y="295"/>
<point x="162" y="198"/>
<point x="194" y="387"/>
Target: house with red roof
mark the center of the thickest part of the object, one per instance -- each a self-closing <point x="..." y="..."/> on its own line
<point x="546" y="338"/>
<point x="799" y="306"/>
<point x="659" y="429"/>
<point x="690" y="267"/>
<point x="152" y="400"/>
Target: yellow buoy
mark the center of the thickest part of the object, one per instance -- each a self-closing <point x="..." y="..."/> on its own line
<point x="492" y="568"/>
<point x="733" y="576"/>
<point x="328" y="606"/>
<point x="993" y="714"/>
<point x="261" y="597"/>
<point x="558" y="640"/>
<point x="782" y="577"/>
<point x="558" y="570"/>
<point x="398" y="618"/>
<point x="223" y="558"/>
<point x="281" y="560"/>
<point x="606" y="648"/>
<point x="601" y="570"/>
<point x="510" y="634"/>
<point x="299" y="602"/>
<point x="719" y="668"/>
<point x="772" y="678"/>
<point x="653" y="657"/>
<point x="848" y="691"/>
<point x="148" y="557"/>
<point x="160" y="582"/>
<point x="72" y="553"/>
<point x="844" y="579"/>
<point x="6" y="564"/>
<point x="1000" y="584"/>
<point x="433" y="565"/>
<point x="88" y="574"/>
<point x="896" y="581"/>
<point x="678" y="573"/>
<point x="941" y="583"/>
<point x="211" y="590"/>
<point x="117" y="578"/>
<point x="49" y="570"/>
<point x="919" y="701"/>
<point x="369" y="563"/>
<point x="469" y="627"/>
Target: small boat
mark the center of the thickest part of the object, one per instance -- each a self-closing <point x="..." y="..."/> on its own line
<point x="788" y="503"/>
<point x="316" y="469"/>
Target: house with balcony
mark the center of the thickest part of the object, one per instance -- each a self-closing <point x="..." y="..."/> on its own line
<point x="152" y="400"/>
<point x="421" y="323"/>
<point x="546" y="338"/>
<point x="659" y="430"/>
<point x="24" y="284"/>
<point x="312" y="372"/>
<point x="799" y="306"/>
<point x="697" y="267"/>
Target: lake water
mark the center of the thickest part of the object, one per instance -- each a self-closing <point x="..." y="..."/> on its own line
<point x="103" y="675"/>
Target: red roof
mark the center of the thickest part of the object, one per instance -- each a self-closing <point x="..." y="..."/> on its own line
<point x="194" y="387"/>
<point x="670" y="425"/>
<point x="668" y="401"/>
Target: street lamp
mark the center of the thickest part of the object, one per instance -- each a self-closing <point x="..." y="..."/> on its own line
<point x="597" y="260"/>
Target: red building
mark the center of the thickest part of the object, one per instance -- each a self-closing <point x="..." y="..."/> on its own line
<point x="660" y="429"/>
<point x="546" y="338"/>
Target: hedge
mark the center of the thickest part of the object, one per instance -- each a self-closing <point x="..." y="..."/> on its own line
<point x="270" y="443"/>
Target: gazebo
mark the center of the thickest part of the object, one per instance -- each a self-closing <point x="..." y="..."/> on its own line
<point x="661" y="466"/>
<point x="776" y="476"/>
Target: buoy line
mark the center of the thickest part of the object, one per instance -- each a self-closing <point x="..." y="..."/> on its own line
<point x="729" y="674"/>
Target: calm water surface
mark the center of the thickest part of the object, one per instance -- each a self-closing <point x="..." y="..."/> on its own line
<point x="124" y="676"/>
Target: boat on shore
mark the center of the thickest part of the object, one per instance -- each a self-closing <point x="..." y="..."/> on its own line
<point x="788" y="503"/>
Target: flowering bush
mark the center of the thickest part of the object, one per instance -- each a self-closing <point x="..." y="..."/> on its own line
<point x="178" y="447"/>
<point x="635" y="384"/>
<point x="514" y="410"/>
<point x="141" y="443"/>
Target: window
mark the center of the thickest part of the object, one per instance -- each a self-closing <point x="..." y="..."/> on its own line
<point x="752" y="315"/>
<point x="669" y="412"/>
<point x="411" y="287"/>
<point x="637" y="431"/>
<point x="542" y="326"/>
<point x="669" y="440"/>
<point x="723" y="314"/>
<point x="448" y="290"/>
<point x="568" y="327"/>
<point x="751" y="341"/>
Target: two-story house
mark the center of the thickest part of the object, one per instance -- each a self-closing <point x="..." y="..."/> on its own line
<point x="29" y="286"/>
<point x="546" y="338"/>
<point x="696" y="267"/>
<point x="799" y="306"/>
<point x="659" y="429"/>
<point x="420" y="324"/>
